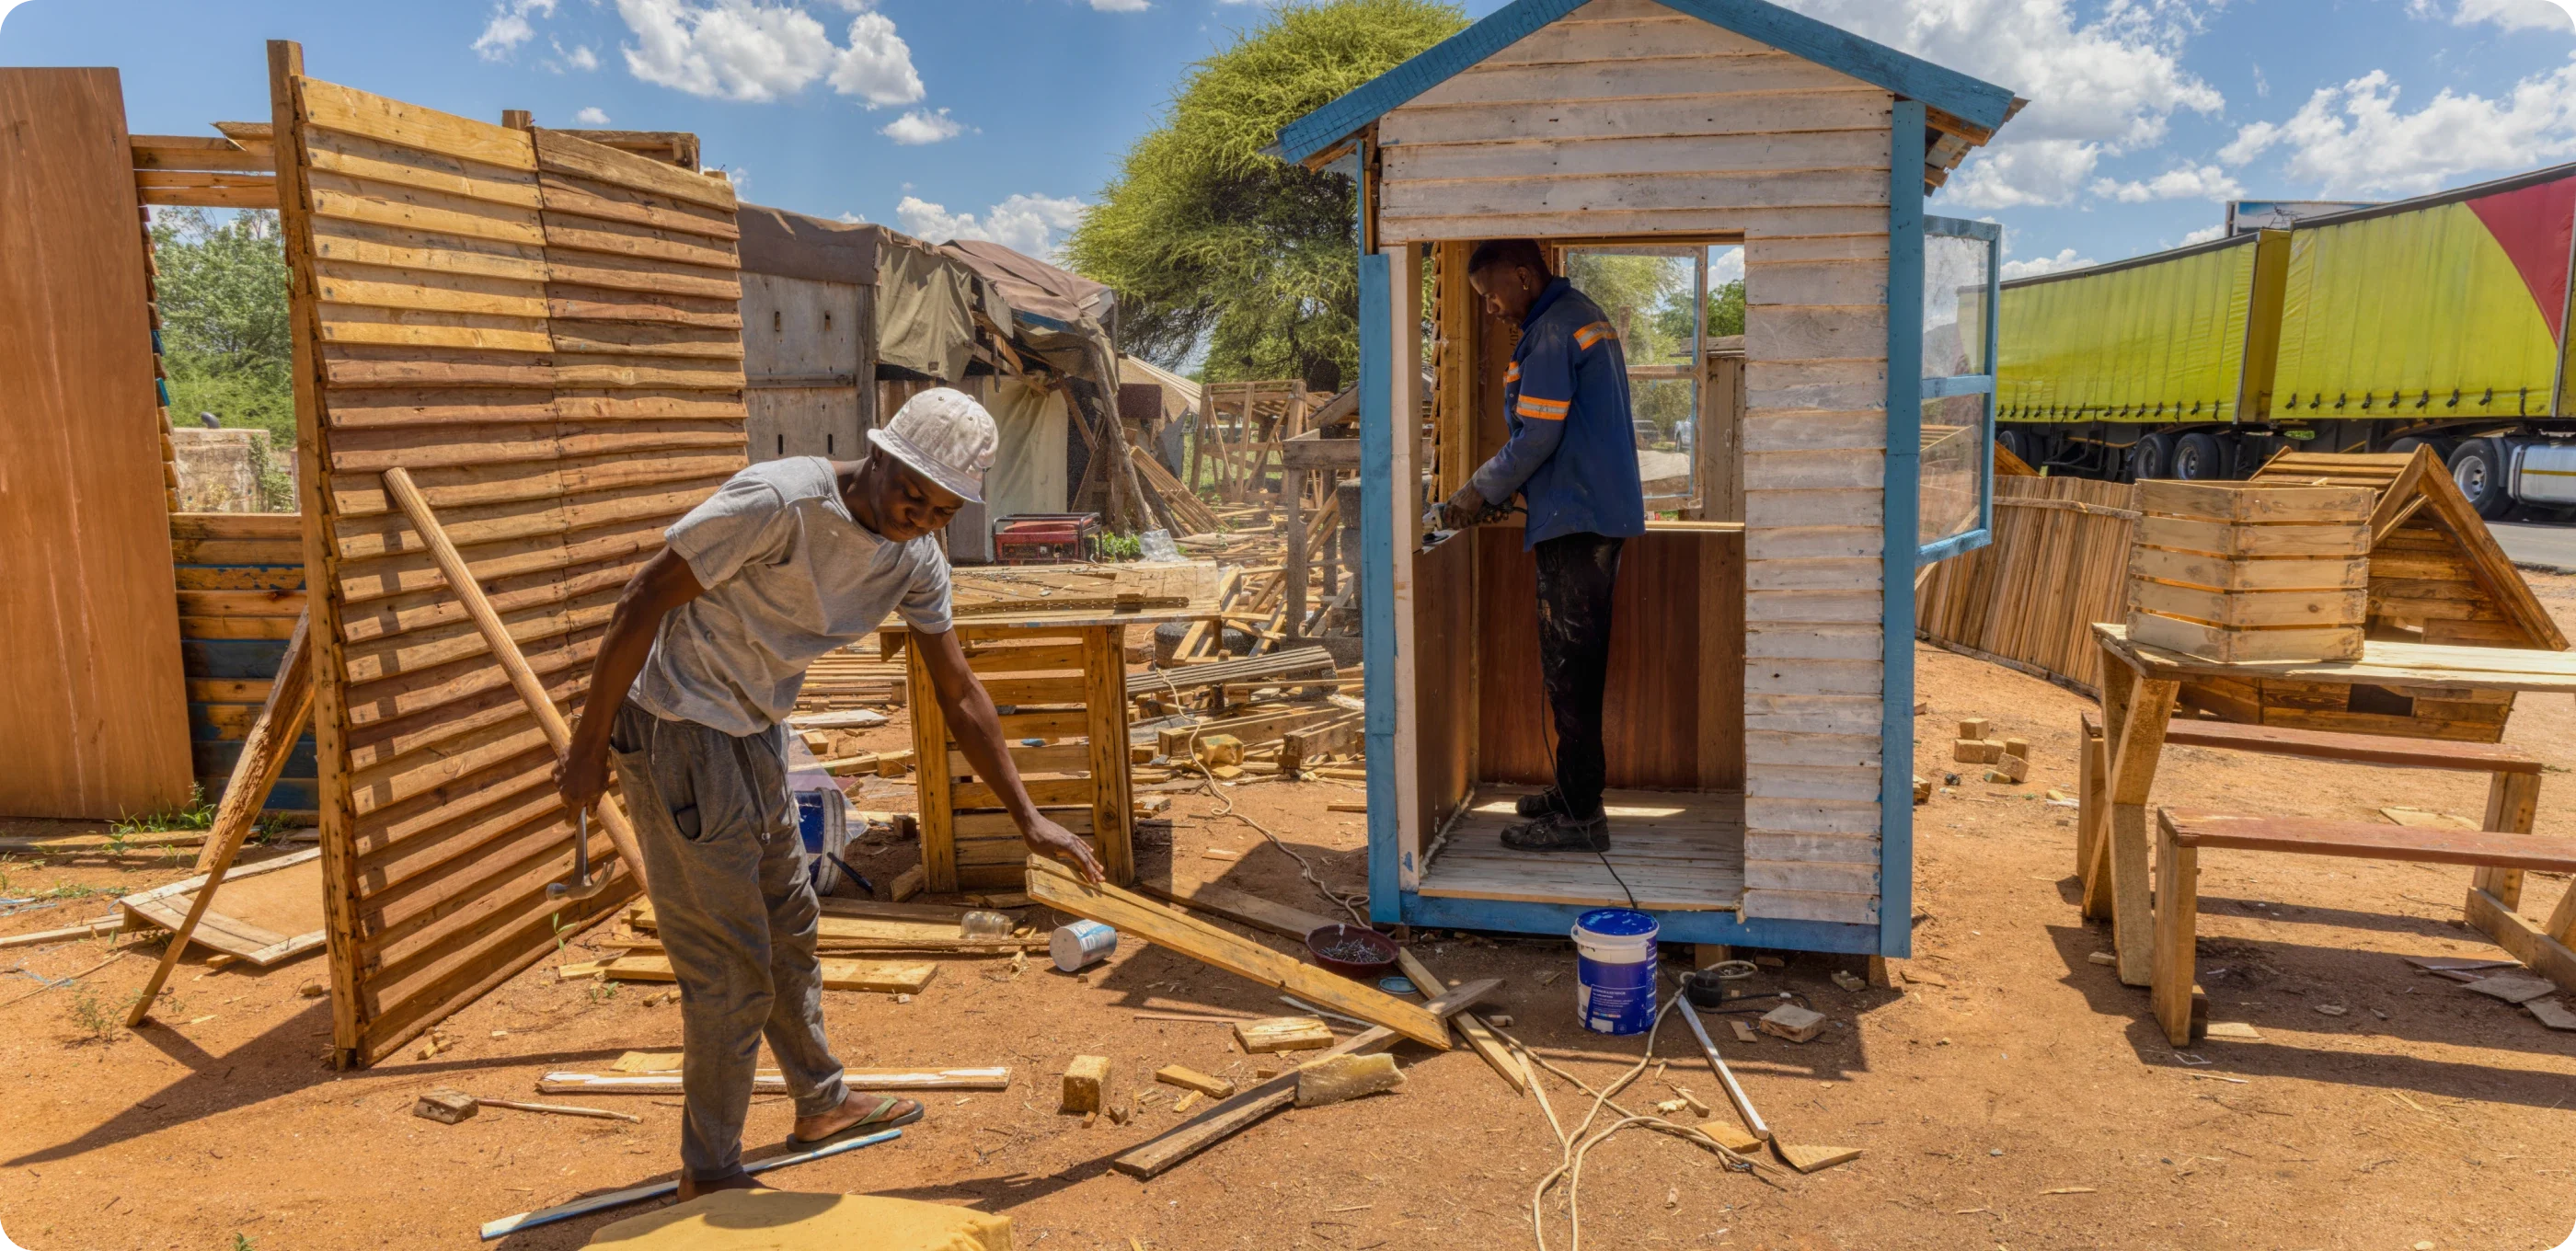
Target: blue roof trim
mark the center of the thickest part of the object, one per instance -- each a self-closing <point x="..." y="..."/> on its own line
<point x="1971" y="100"/>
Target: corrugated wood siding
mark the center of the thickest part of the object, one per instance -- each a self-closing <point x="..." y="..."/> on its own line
<point x="241" y="587"/>
<point x="545" y="332"/>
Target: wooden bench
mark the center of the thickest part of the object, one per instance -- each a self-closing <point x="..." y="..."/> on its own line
<point x="2513" y="791"/>
<point x="2181" y="835"/>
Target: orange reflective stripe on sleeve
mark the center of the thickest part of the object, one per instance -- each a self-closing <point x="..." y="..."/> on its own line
<point x="1594" y="333"/>
<point x="1543" y="410"/>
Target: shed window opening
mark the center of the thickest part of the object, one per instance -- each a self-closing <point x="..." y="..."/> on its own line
<point x="1666" y="304"/>
<point x="1961" y="285"/>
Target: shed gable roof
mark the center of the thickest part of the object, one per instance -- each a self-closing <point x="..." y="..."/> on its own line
<point x="1979" y="106"/>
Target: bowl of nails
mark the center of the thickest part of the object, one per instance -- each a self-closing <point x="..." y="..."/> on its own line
<point x="1354" y="951"/>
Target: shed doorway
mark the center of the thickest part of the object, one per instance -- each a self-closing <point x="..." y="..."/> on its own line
<point x="1675" y="726"/>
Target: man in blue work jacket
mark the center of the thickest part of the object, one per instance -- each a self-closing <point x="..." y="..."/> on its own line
<point x="1572" y="457"/>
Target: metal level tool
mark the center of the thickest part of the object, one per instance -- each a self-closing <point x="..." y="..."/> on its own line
<point x="582" y="885"/>
<point x="1725" y="1076"/>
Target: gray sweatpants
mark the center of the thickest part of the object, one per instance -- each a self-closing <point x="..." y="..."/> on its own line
<point x="738" y="917"/>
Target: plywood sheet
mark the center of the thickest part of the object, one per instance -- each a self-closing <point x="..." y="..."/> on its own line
<point x="98" y="719"/>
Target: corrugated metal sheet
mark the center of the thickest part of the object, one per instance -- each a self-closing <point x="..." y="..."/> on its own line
<point x="2163" y="339"/>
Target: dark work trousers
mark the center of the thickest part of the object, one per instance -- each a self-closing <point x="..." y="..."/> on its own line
<point x="1576" y="575"/>
<point x="738" y="919"/>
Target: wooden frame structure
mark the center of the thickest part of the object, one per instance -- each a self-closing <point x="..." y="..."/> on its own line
<point x="544" y="334"/>
<point x="1760" y="688"/>
<point x="1060" y="676"/>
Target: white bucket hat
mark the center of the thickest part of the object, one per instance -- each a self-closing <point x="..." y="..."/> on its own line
<point x="946" y="436"/>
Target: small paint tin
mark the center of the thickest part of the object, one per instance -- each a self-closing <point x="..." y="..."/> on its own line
<point x="1081" y="944"/>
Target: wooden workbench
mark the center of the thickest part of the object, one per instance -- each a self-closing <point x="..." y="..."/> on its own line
<point x="2139" y="686"/>
<point x="1059" y="676"/>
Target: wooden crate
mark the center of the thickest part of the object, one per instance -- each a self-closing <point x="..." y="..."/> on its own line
<point x="2240" y="572"/>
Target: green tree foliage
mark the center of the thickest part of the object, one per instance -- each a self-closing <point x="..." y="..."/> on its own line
<point x="224" y="340"/>
<point x="1208" y="242"/>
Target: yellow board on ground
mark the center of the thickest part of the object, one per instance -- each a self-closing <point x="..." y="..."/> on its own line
<point x="783" y="1220"/>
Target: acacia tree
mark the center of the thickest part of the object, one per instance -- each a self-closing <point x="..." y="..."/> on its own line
<point x="224" y="339"/>
<point x="1210" y="243"/>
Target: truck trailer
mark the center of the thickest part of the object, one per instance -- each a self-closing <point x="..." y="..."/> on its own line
<point x="2438" y="320"/>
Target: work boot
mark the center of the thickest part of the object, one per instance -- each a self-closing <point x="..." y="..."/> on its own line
<point x="1540" y="804"/>
<point x="1556" y="831"/>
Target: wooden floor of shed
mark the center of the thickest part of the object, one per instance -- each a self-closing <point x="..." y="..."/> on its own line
<point x="1675" y="850"/>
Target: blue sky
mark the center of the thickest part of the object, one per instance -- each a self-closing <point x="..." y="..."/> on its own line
<point x="999" y="118"/>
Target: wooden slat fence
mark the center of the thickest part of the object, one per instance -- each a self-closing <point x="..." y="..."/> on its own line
<point x="545" y="333"/>
<point x="241" y="586"/>
<point x="2029" y="599"/>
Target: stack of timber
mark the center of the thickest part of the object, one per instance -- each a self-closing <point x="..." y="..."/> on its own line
<point x="1284" y="715"/>
<point x="241" y="587"/>
<point x="544" y="334"/>
<point x="1014" y="589"/>
<point x="853" y="677"/>
<point x="2028" y="600"/>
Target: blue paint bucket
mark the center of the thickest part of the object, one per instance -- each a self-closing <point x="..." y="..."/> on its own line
<point x="1081" y="944"/>
<point x="1614" y="970"/>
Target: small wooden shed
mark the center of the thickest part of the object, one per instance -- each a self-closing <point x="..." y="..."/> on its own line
<point x="1761" y="742"/>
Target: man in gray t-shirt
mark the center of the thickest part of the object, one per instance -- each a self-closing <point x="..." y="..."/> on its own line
<point x="700" y="667"/>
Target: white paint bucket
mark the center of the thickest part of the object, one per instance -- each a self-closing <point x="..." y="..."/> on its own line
<point x="1614" y="970"/>
<point x="1081" y="943"/>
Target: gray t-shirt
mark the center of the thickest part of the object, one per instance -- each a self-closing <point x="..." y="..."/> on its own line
<point x="790" y="575"/>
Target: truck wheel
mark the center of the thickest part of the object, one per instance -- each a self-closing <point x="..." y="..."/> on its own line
<point x="2442" y="448"/>
<point x="2478" y="466"/>
<point x="2150" y="457"/>
<point x="2015" y="442"/>
<point x="2196" y="457"/>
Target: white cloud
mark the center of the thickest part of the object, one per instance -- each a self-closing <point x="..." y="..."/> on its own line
<point x="852" y="218"/>
<point x="1121" y="6"/>
<point x="2205" y="234"/>
<point x="2509" y="14"/>
<point x="2353" y="139"/>
<point x="592" y="116"/>
<point x="753" y="51"/>
<point x="1725" y="267"/>
<point x="2190" y="182"/>
<point x="877" y="66"/>
<point x="579" y="57"/>
<point x="2096" y="89"/>
<point x="2066" y="259"/>
<point x="1024" y="223"/>
<point x="510" y="27"/>
<point x="921" y="126"/>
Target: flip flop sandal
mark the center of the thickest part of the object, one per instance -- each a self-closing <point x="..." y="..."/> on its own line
<point x="876" y="1120"/>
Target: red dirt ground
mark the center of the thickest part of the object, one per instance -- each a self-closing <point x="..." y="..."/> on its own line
<point x="2023" y="1099"/>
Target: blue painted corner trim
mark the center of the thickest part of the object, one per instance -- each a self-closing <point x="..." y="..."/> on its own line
<point x="1972" y="100"/>
<point x="1377" y="581"/>
<point x="1904" y="464"/>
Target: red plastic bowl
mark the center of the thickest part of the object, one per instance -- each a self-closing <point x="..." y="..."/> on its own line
<point x="1345" y="935"/>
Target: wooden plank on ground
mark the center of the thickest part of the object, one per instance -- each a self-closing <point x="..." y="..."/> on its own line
<point x="667" y="1082"/>
<point x="1235" y="905"/>
<point x="1054" y="885"/>
<point x="1228" y="1117"/>
<point x="837" y="974"/>
<point x="1478" y="1034"/>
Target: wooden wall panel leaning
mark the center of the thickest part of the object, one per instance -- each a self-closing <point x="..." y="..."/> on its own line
<point x="543" y="333"/>
<point x="98" y="725"/>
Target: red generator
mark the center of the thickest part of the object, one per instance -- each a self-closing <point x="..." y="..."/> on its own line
<point x="1046" y="538"/>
